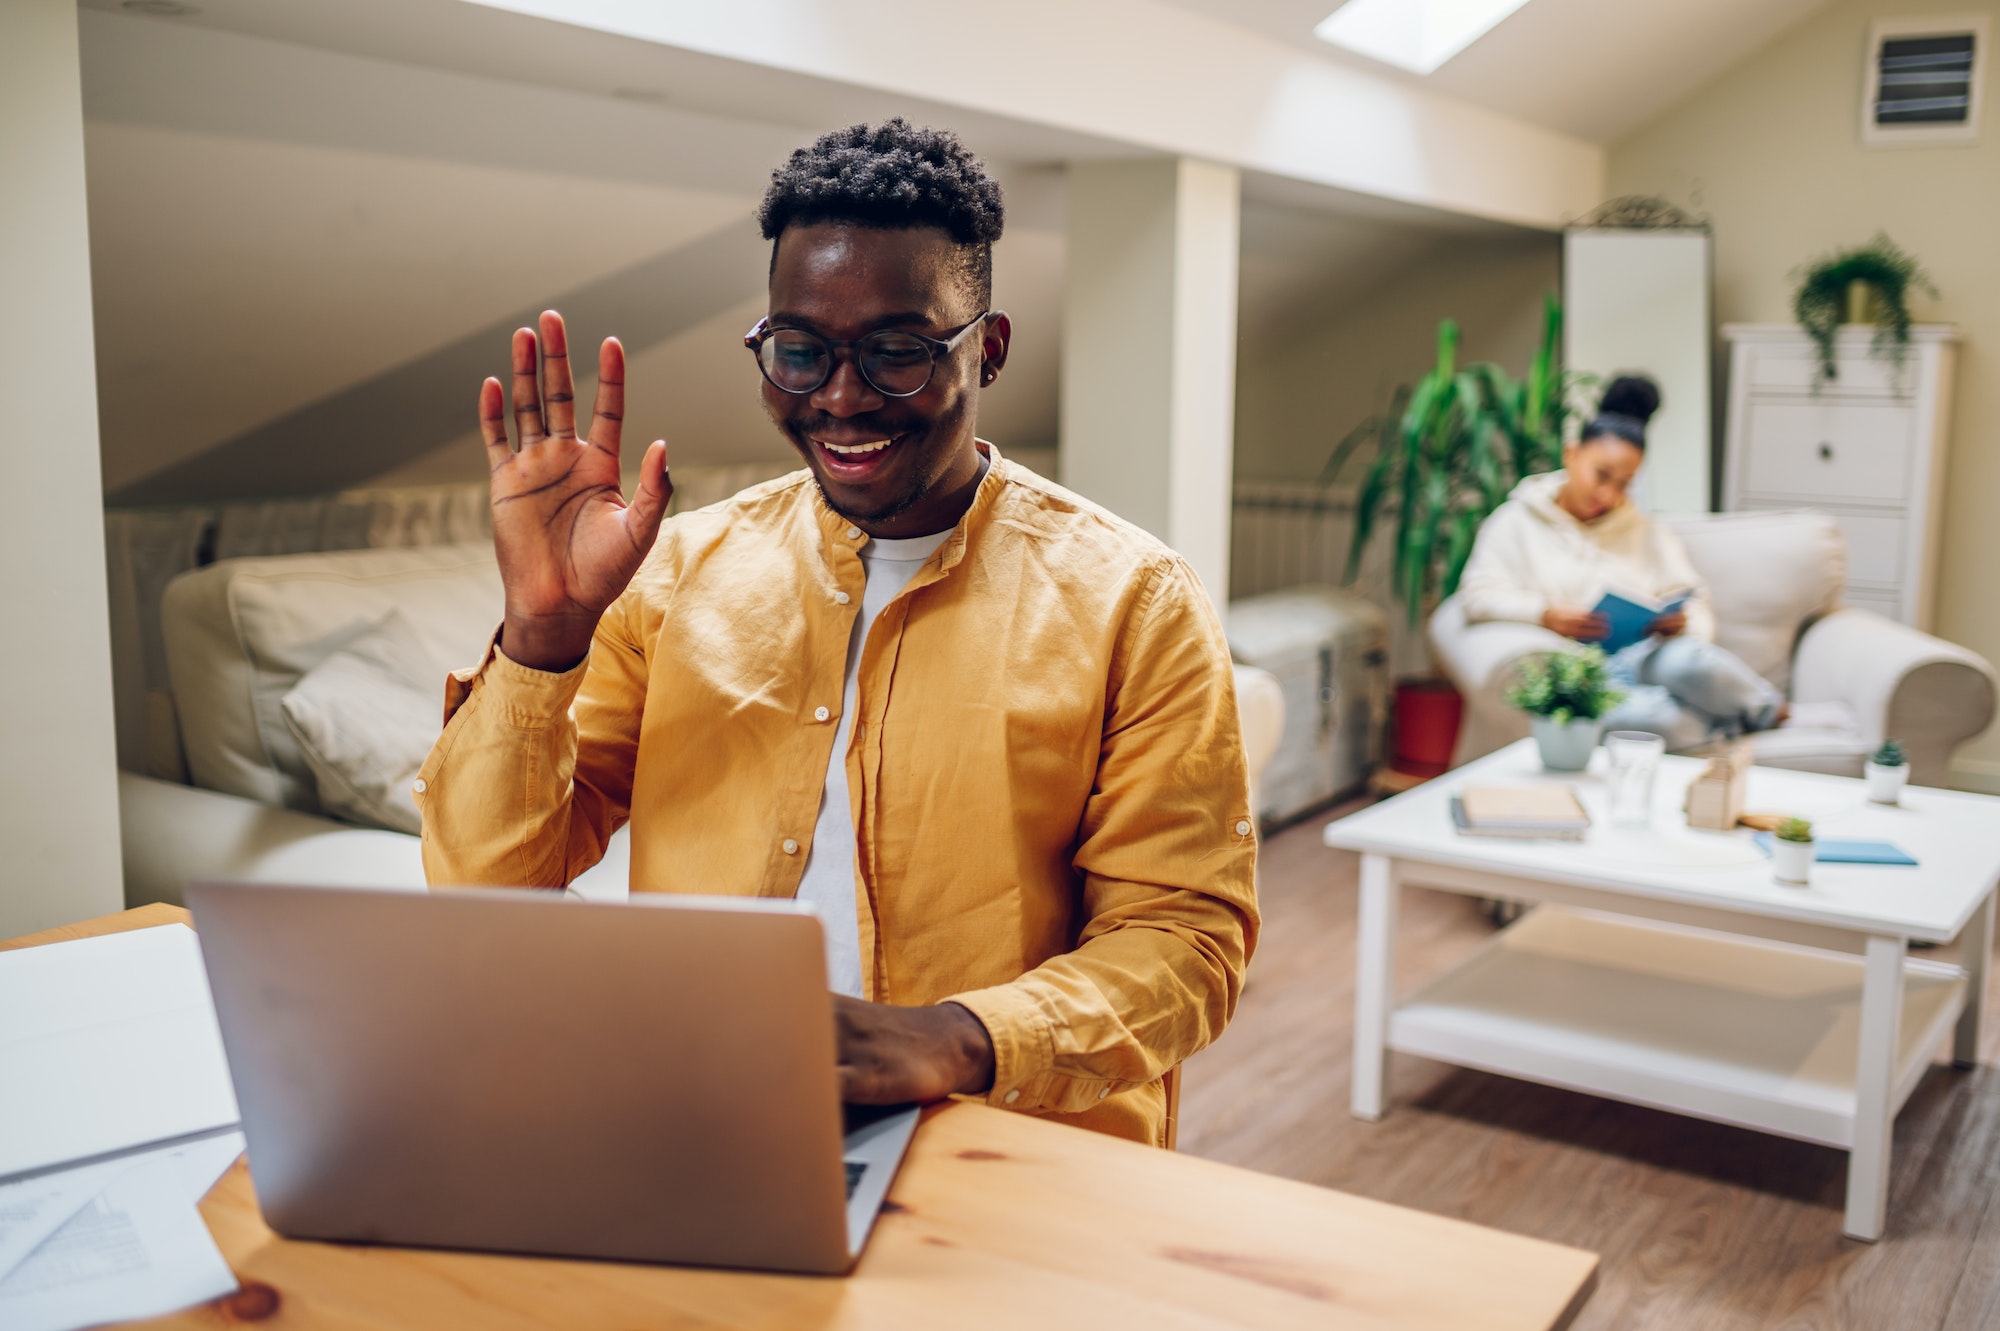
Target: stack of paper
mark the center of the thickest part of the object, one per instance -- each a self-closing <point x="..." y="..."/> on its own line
<point x="116" y="1115"/>
<point x="1524" y="812"/>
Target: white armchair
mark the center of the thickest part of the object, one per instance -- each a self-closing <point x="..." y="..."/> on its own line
<point x="1854" y="677"/>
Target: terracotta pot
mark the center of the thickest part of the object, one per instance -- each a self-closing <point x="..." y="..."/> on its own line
<point x="1428" y="713"/>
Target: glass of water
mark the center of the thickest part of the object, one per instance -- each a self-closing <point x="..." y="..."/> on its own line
<point x="1634" y="762"/>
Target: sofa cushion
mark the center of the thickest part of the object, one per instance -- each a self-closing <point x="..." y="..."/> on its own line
<point x="365" y="719"/>
<point x="241" y="634"/>
<point x="1769" y="574"/>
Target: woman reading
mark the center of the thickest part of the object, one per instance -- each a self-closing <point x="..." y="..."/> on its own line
<point x="1564" y="539"/>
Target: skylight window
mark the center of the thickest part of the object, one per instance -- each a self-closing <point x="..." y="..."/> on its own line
<point x="1417" y="35"/>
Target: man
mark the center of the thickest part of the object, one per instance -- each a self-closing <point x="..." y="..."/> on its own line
<point x="987" y="729"/>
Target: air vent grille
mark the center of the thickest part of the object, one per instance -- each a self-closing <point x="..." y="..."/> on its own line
<point x="1925" y="81"/>
<point x="1922" y="81"/>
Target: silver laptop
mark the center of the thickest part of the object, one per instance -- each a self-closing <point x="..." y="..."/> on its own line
<point x="519" y="1072"/>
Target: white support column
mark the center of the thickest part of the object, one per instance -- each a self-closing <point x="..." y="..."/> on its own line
<point x="58" y="775"/>
<point x="1149" y="350"/>
<point x="1374" y="984"/>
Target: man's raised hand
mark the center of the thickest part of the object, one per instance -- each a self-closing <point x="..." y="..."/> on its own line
<point x="567" y="540"/>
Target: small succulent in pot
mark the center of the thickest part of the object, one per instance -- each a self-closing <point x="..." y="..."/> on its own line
<point x="1887" y="772"/>
<point x="1793" y="851"/>
<point x="1567" y="694"/>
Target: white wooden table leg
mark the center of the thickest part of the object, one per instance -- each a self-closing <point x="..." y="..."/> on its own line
<point x="1374" y="983"/>
<point x="1874" y="1084"/>
<point x="1975" y="950"/>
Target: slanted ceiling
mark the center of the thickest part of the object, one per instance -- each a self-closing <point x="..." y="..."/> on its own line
<point x="304" y="261"/>
<point x="1595" y="69"/>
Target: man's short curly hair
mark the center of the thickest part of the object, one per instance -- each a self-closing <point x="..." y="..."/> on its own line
<point x="892" y="175"/>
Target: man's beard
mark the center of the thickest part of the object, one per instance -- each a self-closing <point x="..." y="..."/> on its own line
<point x="894" y="508"/>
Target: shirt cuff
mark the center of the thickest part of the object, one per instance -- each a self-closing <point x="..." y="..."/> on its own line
<point x="1023" y="1048"/>
<point x="526" y="697"/>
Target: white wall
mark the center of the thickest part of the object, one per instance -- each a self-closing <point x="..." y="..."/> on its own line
<point x="1149" y="345"/>
<point x="1304" y="381"/>
<point x="1772" y="152"/>
<point x="58" y="792"/>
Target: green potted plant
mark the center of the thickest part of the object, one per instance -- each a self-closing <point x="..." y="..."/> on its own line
<point x="1887" y="772"/>
<point x="1867" y="284"/>
<point x="1443" y="456"/>
<point x="1792" y="852"/>
<point x="1566" y="695"/>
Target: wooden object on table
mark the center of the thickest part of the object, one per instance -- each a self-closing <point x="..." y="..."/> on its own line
<point x="1715" y="798"/>
<point x="1867" y="446"/>
<point x="995" y="1218"/>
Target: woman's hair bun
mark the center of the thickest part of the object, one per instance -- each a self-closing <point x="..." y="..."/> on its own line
<point x="1631" y="395"/>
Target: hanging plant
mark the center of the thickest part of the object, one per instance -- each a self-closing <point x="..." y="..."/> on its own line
<point x="1880" y="266"/>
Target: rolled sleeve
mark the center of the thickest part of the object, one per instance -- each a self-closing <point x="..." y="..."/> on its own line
<point x="515" y="793"/>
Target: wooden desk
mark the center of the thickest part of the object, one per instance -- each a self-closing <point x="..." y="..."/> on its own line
<point x="995" y="1219"/>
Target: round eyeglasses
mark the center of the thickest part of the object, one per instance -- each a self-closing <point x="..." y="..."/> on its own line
<point x="894" y="363"/>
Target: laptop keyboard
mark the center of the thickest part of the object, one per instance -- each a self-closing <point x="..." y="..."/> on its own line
<point x="855" y="1169"/>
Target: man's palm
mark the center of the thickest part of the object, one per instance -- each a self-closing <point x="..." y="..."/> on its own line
<point x="567" y="541"/>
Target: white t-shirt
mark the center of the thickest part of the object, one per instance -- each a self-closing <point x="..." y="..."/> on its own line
<point x="829" y="883"/>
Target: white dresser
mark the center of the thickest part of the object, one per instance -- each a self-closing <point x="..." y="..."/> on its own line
<point x="1867" y="446"/>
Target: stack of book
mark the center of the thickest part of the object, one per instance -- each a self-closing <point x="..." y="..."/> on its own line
<point x="1529" y="813"/>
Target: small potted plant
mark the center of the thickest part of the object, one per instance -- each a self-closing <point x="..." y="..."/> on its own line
<point x="1566" y="694"/>
<point x="1887" y="773"/>
<point x="1792" y="852"/>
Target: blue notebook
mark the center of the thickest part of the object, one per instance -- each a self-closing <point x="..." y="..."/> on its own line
<point x="1851" y="852"/>
<point x="1630" y="621"/>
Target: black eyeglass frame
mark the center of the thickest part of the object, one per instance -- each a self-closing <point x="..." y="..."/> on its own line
<point x="762" y="332"/>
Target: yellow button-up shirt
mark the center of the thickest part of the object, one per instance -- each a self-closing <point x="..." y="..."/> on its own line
<point x="1046" y="774"/>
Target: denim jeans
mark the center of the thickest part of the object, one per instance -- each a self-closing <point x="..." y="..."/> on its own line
<point x="1689" y="692"/>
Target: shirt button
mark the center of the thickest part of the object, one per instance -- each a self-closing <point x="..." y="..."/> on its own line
<point x="1012" y="1095"/>
<point x="842" y="598"/>
<point x="853" y="532"/>
<point x="1103" y="1091"/>
<point x="1242" y="827"/>
<point x="821" y="714"/>
<point x="419" y="786"/>
<point x="791" y="846"/>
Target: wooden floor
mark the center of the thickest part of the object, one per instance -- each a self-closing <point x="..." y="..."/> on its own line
<point x="1700" y="1226"/>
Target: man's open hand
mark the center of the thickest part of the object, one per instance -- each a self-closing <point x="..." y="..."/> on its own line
<point x="567" y="541"/>
<point x="893" y="1055"/>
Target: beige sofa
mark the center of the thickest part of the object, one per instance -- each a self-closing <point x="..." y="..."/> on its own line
<point x="297" y="693"/>
<point x="1854" y="677"/>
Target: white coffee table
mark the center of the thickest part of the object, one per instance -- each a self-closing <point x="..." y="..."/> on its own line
<point x="1668" y="968"/>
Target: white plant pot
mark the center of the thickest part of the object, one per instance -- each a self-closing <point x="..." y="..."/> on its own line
<point x="1792" y="861"/>
<point x="1885" y="784"/>
<point x="1566" y="745"/>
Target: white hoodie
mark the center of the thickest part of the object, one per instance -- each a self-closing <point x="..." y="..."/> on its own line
<point x="1531" y="555"/>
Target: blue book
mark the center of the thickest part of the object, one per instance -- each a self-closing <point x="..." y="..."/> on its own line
<point x="1631" y="620"/>
<point x="1851" y="852"/>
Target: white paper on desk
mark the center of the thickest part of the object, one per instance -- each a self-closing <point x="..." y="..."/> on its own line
<point x="136" y="1247"/>
<point x="108" y="1043"/>
<point x="34" y="1208"/>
